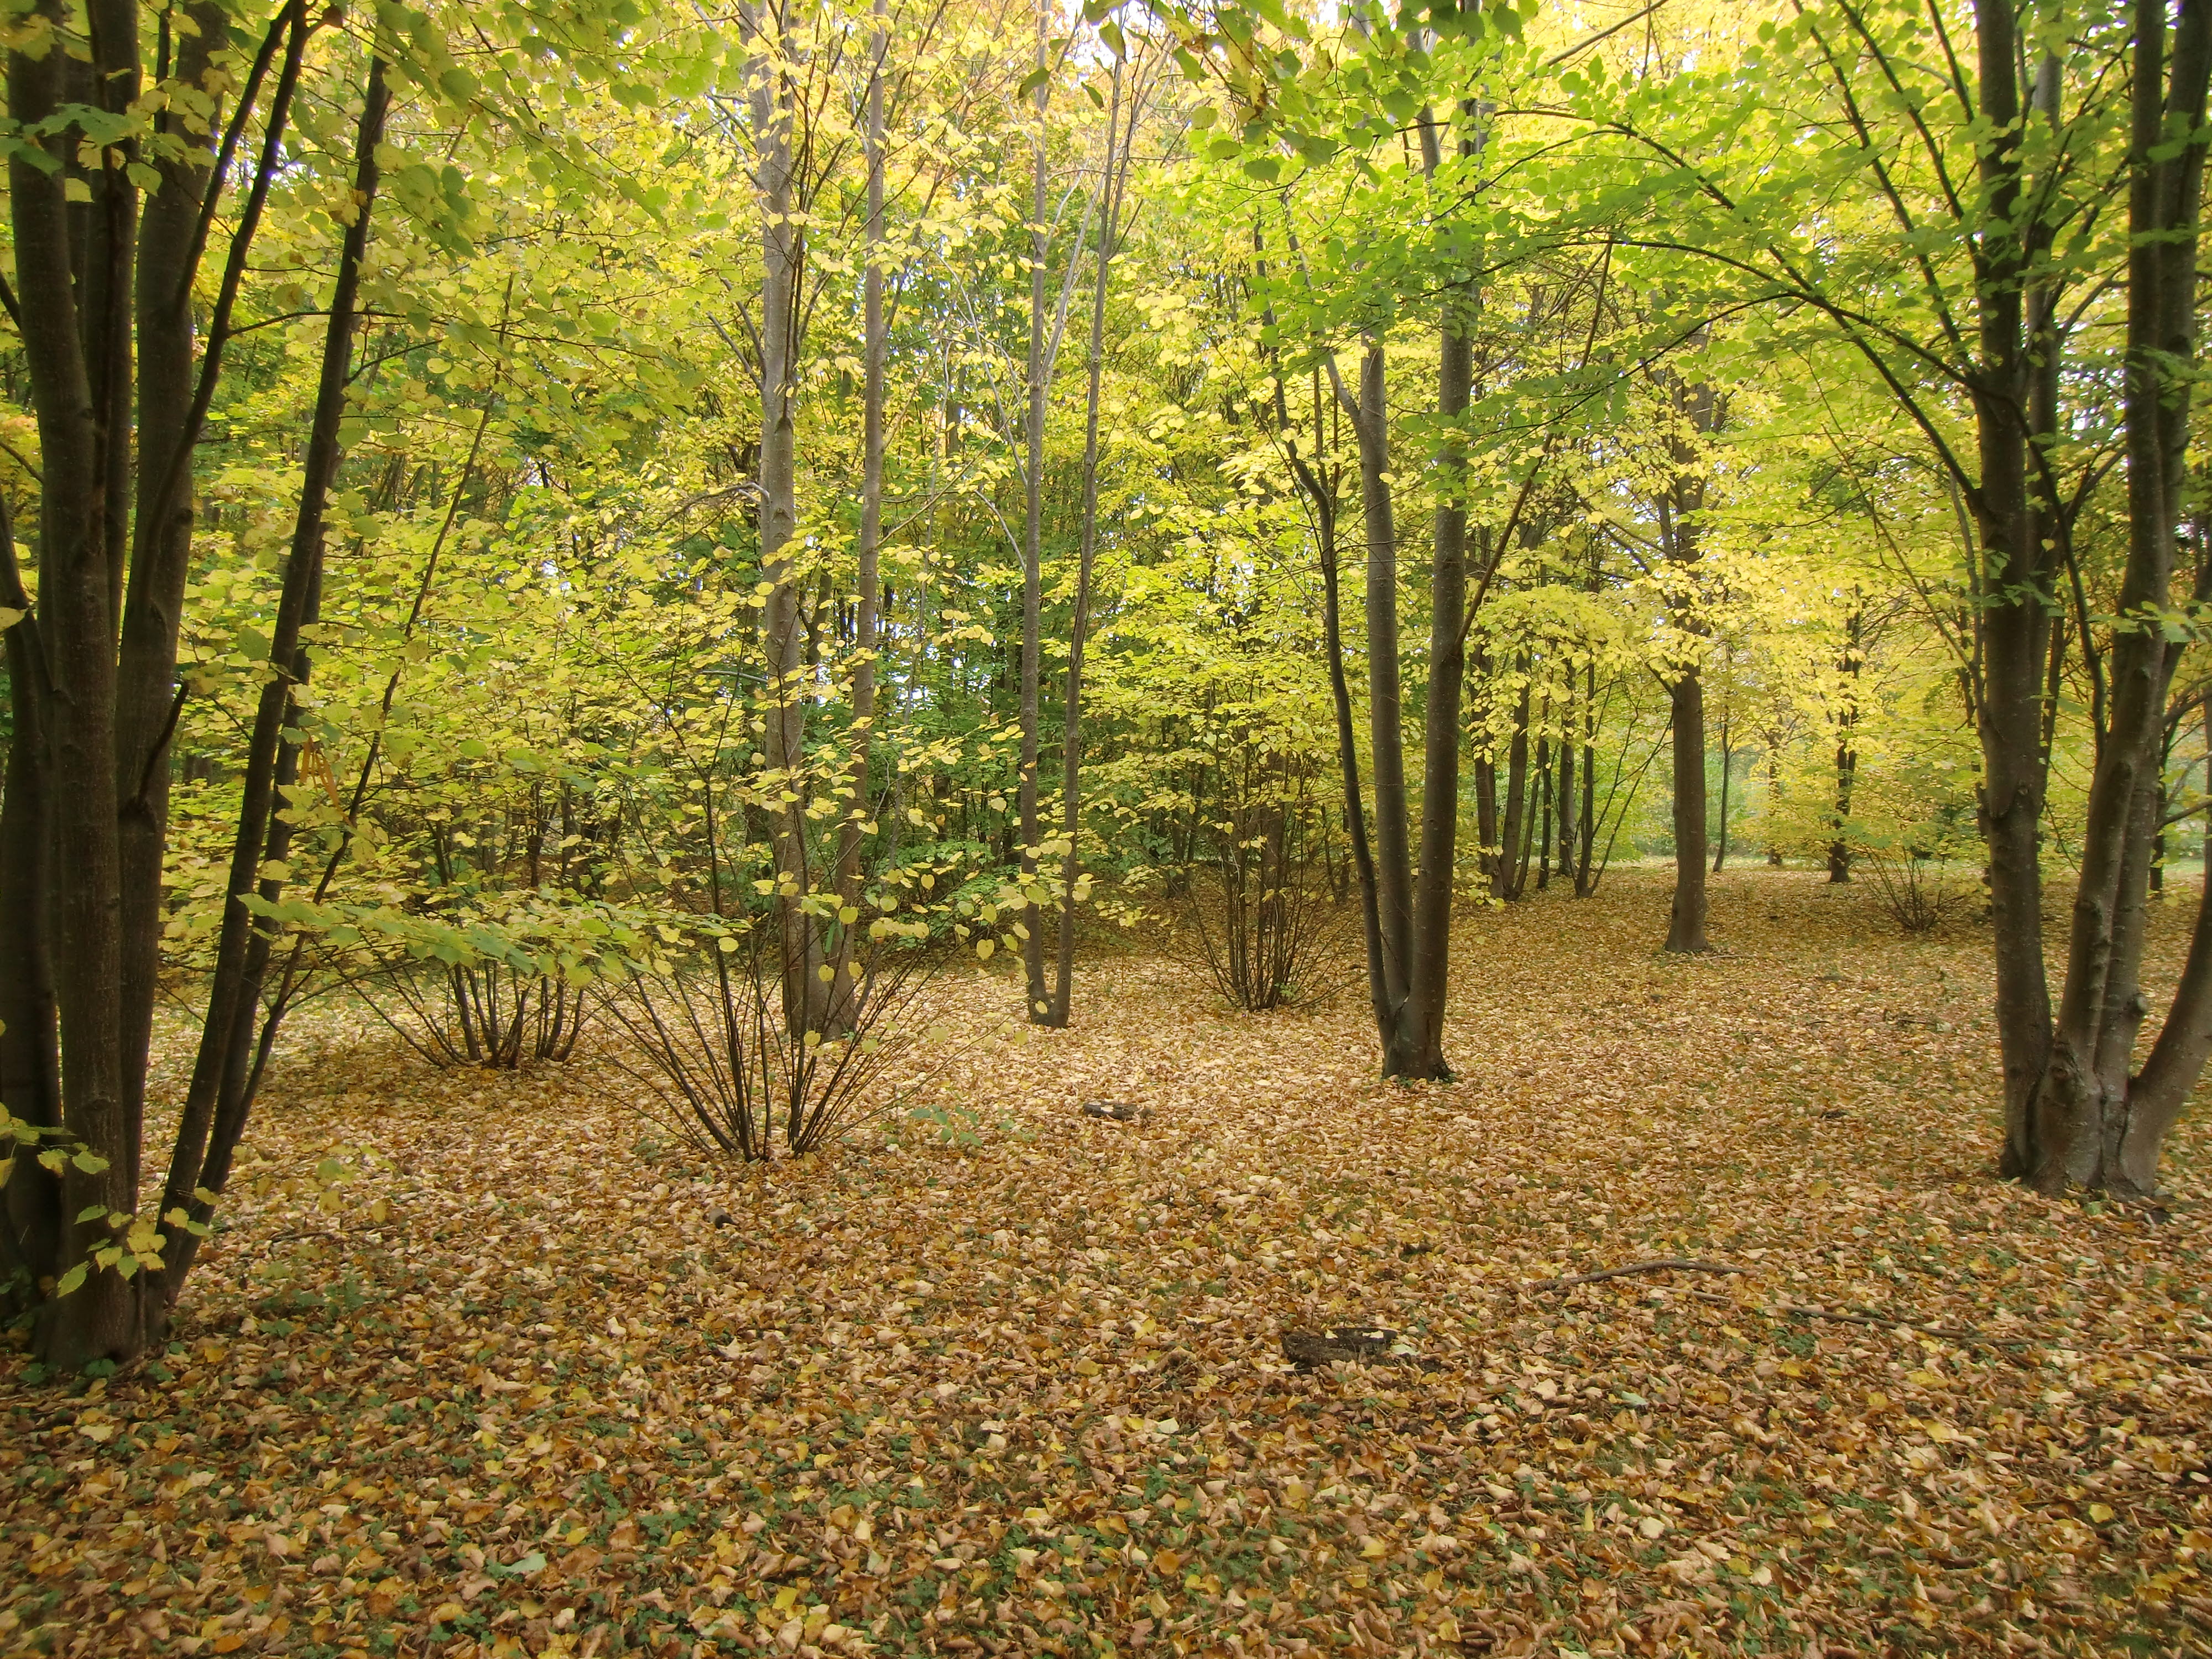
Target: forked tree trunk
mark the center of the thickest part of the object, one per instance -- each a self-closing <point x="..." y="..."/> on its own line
<point x="2087" y="1126"/>
<point x="1410" y="948"/>
<point x="107" y="322"/>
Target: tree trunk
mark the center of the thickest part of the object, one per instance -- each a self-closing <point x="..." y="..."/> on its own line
<point x="1686" y="927"/>
<point x="1318" y="478"/>
<point x="1847" y="759"/>
<point x="30" y="1053"/>
<point x="2081" y="1123"/>
<point x="2016" y="609"/>
<point x="1486" y="815"/>
<point x="1038" y="1001"/>
<point x="1728" y="767"/>
<point x="1385" y="711"/>
<point x="1071" y="744"/>
<point x="1584" y="886"/>
<point x="1569" y="831"/>
<point x="1507" y="883"/>
<point x="1542" y="840"/>
<point x="73" y="283"/>
<point x="220" y="1093"/>
<point x="1696" y="409"/>
<point x="783" y="630"/>
<point x="869" y="577"/>
<point x="1430" y="944"/>
<point x="152" y="608"/>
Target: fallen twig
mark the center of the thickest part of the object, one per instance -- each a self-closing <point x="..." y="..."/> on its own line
<point x="1634" y="1267"/>
<point x="300" y="1232"/>
<point x="1875" y="1320"/>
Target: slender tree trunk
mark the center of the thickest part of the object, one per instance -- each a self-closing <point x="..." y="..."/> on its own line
<point x="1038" y="1003"/>
<point x="783" y="630"/>
<point x="1728" y="767"/>
<point x="1318" y="478"/>
<point x="1686" y="927"/>
<point x="1071" y="746"/>
<point x="1429" y="946"/>
<point x="1583" y="884"/>
<point x="1542" y="840"/>
<point x="146" y="706"/>
<point x="1385" y="708"/>
<point x="1486" y="815"/>
<point x="1569" y="831"/>
<point x="870" y="576"/>
<point x="1507" y="883"/>
<point x="2014" y="618"/>
<point x="1847" y="758"/>
<point x="219" y="1095"/>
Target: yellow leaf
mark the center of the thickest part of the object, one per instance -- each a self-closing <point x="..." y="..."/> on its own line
<point x="2100" y="1513"/>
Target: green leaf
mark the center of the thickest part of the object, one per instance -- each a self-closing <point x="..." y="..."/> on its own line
<point x="70" y="1280"/>
<point x="88" y="1160"/>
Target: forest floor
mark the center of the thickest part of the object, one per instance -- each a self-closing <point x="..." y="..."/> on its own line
<point x="1010" y="1379"/>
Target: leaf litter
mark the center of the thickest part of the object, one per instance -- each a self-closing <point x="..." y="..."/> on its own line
<point x="492" y="1365"/>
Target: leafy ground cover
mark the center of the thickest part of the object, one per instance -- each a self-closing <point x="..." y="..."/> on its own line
<point x="1008" y="1379"/>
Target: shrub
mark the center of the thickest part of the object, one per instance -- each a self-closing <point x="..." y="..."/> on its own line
<point x="733" y="1076"/>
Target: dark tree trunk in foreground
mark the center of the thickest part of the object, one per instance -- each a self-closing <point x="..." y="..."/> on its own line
<point x="2090" y="1123"/>
<point x="104" y="292"/>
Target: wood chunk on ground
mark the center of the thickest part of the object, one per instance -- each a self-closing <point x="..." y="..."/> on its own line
<point x="1118" y="1111"/>
<point x="1365" y="1343"/>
